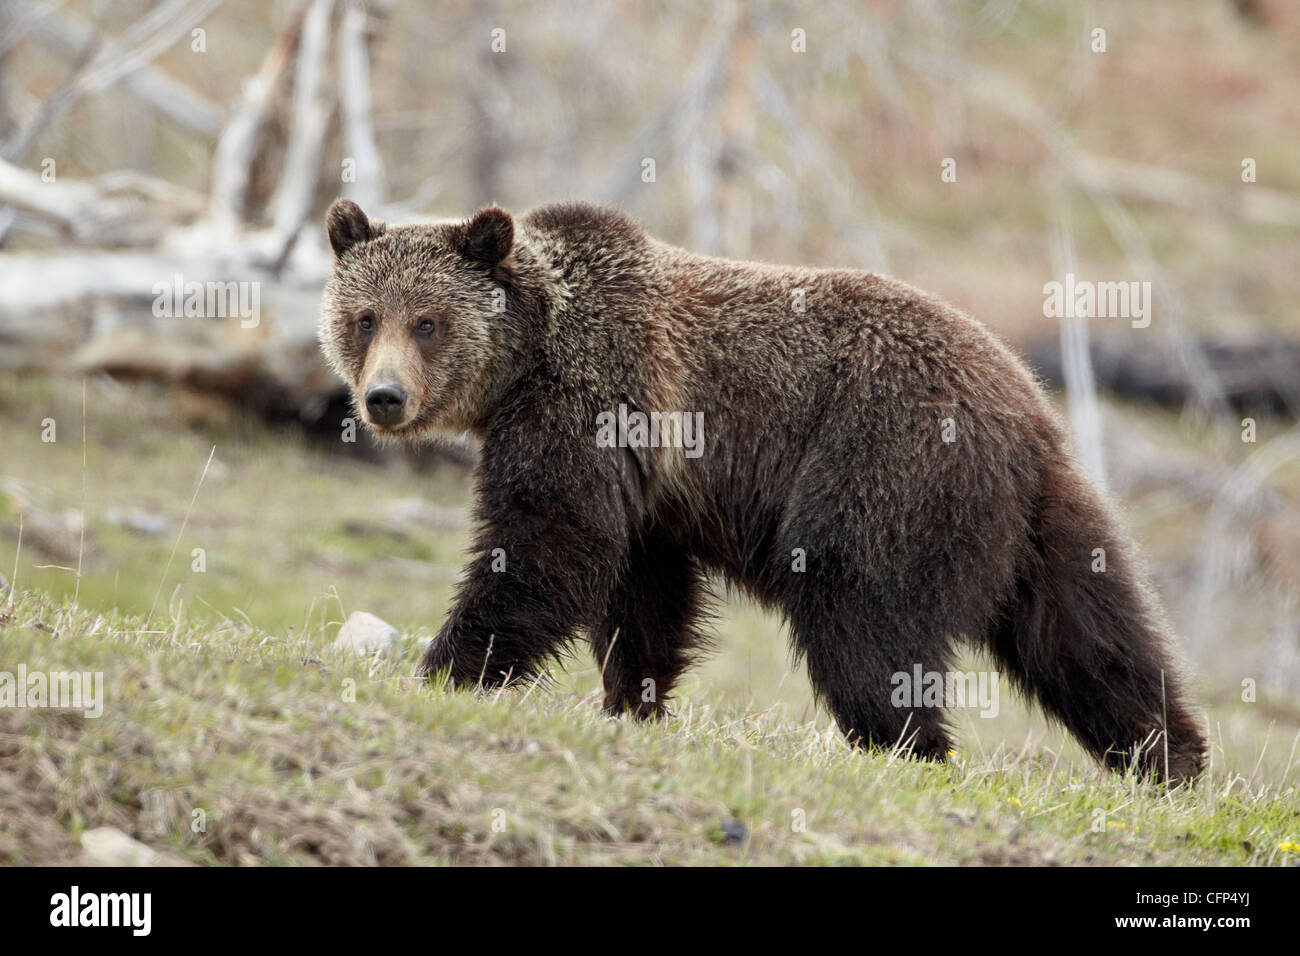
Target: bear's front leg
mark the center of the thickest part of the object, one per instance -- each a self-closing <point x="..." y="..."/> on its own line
<point x="650" y="633"/>
<point x="553" y="538"/>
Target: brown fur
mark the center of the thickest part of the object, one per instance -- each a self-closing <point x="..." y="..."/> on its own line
<point x="823" y="432"/>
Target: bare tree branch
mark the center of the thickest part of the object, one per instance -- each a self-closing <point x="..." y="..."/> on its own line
<point x="368" y="189"/>
<point x="139" y="44"/>
<point x="292" y="201"/>
<point x="149" y="85"/>
<point x="240" y="142"/>
<point x="121" y="209"/>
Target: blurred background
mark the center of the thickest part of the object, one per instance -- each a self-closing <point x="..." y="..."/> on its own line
<point x="976" y="150"/>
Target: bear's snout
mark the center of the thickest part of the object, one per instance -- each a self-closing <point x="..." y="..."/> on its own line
<point x="386" y="403"/>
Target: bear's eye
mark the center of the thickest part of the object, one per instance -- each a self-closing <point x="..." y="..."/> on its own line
<point x="425" y="327"/>
<point x="366" y="323"/>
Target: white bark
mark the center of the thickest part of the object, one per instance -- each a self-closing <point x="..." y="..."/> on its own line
<point x="293" y="197"/>
<point x="368" y="190"/>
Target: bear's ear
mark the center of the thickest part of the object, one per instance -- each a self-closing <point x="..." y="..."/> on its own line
<point x="489" y="236"/>
<point x="347" y="225"/>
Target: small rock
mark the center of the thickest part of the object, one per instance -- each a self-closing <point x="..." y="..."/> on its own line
<point x="109" y="846"/>
<point x="140" y="522"/>
<point x="363" y="634"/>
<point x="405" y="512"/>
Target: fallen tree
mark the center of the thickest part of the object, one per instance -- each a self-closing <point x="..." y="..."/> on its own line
<point x="1259" y="376"/>
<point x="132" y="254"/>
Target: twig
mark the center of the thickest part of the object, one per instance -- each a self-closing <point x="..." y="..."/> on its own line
<point x="81" y="547"/>
<point x="179" y="535"/>
<point x="482" y="673"/>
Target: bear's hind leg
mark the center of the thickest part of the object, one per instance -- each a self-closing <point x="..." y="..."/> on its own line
<point x="855" y="654"/>
<point x="1084" y="635"/>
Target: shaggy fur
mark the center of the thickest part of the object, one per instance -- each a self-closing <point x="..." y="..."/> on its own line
<point x="824" y="435"/>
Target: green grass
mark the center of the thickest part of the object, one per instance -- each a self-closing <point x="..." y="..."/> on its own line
<point x="229" y="708"/>
<point x="293" y="754"/>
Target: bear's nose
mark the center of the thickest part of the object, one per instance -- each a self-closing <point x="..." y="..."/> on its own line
<point x="385" y="403"/>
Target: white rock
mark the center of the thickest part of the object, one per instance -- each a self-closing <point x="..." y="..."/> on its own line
<point x="403" y="513"/>
<point x="363" y="634"/>
<point x="141" y="522"/>
<point x="109" y="846"/>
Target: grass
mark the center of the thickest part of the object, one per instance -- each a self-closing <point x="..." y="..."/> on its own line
<point x="228" y="744"/>
<point x="233" y="734"/>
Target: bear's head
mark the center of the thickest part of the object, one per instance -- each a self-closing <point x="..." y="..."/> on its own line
<point x="413" y="317"/>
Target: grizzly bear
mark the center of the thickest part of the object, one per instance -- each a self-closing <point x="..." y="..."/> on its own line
<point x="865" y="460"/>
